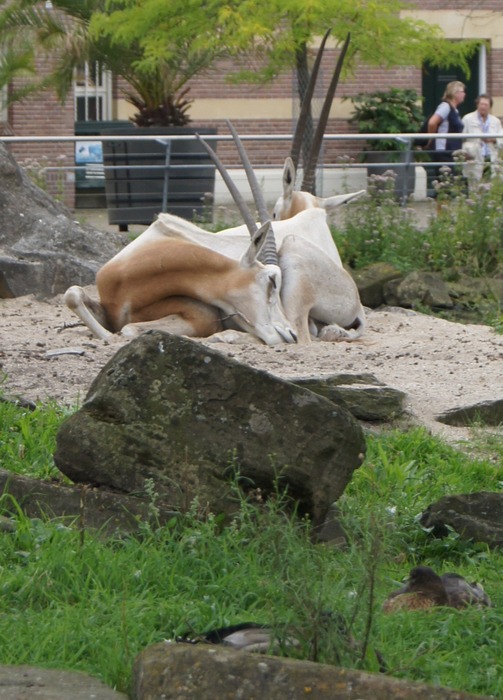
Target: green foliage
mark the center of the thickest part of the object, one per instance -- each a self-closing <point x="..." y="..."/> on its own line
<point x="27" y="439"/>
<point x="466" y="237"/>
<point x="379" y="230"/>
<point x="381" y="34"/>
<point x="397" y="111"/>
<point x="468" y="234"/>
<point x="158" y="46"/>
<point x="155" y="47"/>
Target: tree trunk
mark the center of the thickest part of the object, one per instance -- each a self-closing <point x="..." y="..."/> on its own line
<point x="303" y="73"/>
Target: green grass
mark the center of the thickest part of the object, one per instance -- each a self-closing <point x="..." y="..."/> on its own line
<point x="73" y="600"/>
<point x="28" y="439"/>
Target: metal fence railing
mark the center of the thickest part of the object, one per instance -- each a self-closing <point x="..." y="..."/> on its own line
<point x="89" y="178"/>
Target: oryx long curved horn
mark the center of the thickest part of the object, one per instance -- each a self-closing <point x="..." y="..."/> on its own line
<point x="269" y="253"/>
<point x="236" y="195"/>
<point x="306" y="105"/>
<point x="258" y="197"/>
<point x="310" y="166"/>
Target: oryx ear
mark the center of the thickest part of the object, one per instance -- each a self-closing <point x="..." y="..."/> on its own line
<point x="288" y="178"/>
<point x="257" y="242"/>
<point x="336" y="200"/>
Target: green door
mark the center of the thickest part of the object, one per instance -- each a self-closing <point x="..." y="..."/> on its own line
<point x="435" y="79"/>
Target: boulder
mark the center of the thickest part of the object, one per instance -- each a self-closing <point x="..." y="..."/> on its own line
<point x="181" y="671"/>
<point x="418" y="288"/>
<point x="187" y="418"/>
<point x="31" y="683"/>
<point x="486" y="412"/>
<point x="106" y="511"/>
<point x="363" y="394"/>
<point x="467" y="290"/>
<point x="43" y="250"/>
<point x="371" y="279"/>
<point x="474" y="516"/>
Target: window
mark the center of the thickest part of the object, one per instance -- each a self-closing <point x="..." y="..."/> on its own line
<point x="93" y="93"/>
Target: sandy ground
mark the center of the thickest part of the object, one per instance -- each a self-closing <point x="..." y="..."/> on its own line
<point x="438" y="364"/>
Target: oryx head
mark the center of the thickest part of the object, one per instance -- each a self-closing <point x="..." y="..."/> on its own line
<point x="293" y="201"/>
<point x="256" y="308"/>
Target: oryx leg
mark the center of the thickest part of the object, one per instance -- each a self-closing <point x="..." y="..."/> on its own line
<point x="177" y="315"/>
<point x="91" y="312"/>
<point x="335" y="333"/>
<point x="234" y="337"/>
<point x="320" y="298"/>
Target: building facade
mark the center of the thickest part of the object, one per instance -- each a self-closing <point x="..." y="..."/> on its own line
<point x="259" y="109"/>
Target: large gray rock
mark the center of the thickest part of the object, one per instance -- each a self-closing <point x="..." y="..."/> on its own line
<point x="474" y="516"/>
<point x="486" y="412"/>
<point x="99" y="509"/>
<point x="187" y="417"/>
<point x="43" y="250"/>
<point x="371" y="279"/>
<point x="363" y="394"/>
<point x="418" y="288"/>
<point x="183" y="672"/>
<point x="467" y="290"/>
<point x="31" y="683"/>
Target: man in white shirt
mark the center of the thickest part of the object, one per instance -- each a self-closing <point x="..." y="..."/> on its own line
<point x="482" y="153"/>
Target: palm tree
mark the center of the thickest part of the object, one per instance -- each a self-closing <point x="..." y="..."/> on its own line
<point x="71" y="32"/>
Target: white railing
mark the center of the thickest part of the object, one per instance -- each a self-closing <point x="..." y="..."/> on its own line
<point x="344" y="174"/>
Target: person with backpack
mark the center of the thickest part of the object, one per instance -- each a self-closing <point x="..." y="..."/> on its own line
<point x="445" y="120"/>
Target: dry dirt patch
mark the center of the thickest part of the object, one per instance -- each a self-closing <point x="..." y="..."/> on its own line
<point x="438" y="364"/>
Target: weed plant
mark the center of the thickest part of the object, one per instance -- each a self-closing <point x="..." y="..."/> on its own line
<point x="80" y="601"/>
<point x="28" y="439"/>
<point x="466" y="237"/>
<point x="379" y="230"/>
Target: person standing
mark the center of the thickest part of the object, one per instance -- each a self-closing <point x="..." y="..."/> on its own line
<point x="446" y="120"/>
<point x="482" y="153"/>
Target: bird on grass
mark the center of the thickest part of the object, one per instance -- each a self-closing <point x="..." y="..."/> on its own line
<point x="249" y="636"/>
<point x="425" y="589"/>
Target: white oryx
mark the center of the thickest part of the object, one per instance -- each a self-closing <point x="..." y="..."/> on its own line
<point x="284" y="284"/>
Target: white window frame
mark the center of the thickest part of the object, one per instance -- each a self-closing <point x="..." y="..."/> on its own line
<point x="99" y="90"/>
<point x="482" y="69"/>
<point x="3" y="104"/>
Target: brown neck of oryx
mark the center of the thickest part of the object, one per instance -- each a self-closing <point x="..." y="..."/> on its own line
<point x="173" y="268"/>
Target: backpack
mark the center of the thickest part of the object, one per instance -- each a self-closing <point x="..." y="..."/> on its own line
<point x="422" y="142"/>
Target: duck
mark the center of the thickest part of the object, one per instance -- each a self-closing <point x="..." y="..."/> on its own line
<point x="425" y="589"/>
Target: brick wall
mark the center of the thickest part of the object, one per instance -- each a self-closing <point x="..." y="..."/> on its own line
<point x="495" y="72"/>
<point x="457" y="5"/>
<point x="43" y="115"/>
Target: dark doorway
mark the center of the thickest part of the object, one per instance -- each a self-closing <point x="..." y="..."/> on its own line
<point x="435" y="79"/>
